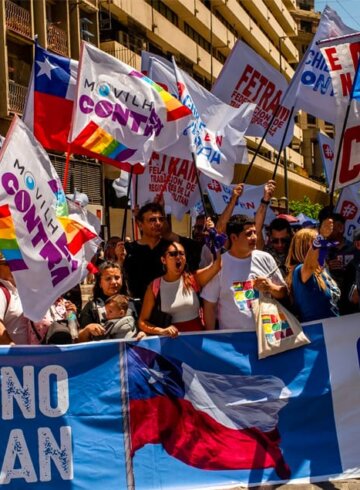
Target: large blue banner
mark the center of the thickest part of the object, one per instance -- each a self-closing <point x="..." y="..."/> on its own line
<point x="122" y="415"/>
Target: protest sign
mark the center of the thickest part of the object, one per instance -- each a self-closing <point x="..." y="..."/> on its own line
<point x="119" y="114"/>
<point x="247" y="77"/>
<point x="175" y="178"/>
<point x="145" y="401"/>
<point x="46" y="246"/>
<point x="326" y="145"/>
<point x="216" y="130"/>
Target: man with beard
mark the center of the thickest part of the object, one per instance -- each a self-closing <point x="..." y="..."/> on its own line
<point x="245" y="271"/>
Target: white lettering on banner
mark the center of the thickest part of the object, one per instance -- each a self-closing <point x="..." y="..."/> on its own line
<point x="52" y="392"/>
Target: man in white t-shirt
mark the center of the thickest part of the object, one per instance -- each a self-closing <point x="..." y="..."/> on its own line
<point x="13" y="324"/>
<point x="245" y="271"/>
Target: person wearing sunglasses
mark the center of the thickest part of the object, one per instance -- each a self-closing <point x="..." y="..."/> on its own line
<point x="280" y="235"/>
<point x="177" y="291"/>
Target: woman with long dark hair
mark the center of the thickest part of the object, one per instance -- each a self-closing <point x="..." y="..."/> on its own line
<point x="108" y="282"/>
<point x="178" y="293"/>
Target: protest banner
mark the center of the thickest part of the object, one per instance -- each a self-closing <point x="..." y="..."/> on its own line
<point x="119" y="114"/>
<point x="216" y="130"/>
<point x="342" y="56"/>
<point x="201" y="406"/>
<point x="46" y="246"/>
<point x="248" y="203"/>
<point x="247" y="77"/>
<point x="175" y="178"/>
<point x="326" y="145"/>
<point x="348" y="206"/>
<point x="311" y="87"/>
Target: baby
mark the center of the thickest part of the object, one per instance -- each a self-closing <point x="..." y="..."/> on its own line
<point x="118" y="321"/>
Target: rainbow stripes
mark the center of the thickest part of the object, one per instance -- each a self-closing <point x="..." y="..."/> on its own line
<point x="76" y="234"/>
<point x="8" y="243"/>
<point x="276" y="327"/>
<point x="175" y="109"/>
<point x="96" y="140"/>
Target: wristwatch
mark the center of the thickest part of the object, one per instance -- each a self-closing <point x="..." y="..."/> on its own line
<point x="263" y="201"/>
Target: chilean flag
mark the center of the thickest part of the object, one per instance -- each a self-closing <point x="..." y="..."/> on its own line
<point x="50" y="99"/>
<point x="49" y="105"/>
<point x="207" y="420"/>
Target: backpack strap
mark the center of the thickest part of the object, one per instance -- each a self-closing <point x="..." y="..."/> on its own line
<point x="194" y="284"/>
<point x="7" y="295"/>
<point x="155" y="286"/>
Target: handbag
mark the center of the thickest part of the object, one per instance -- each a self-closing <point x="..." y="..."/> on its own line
<point x="277" y="329"/>
<point x="159" y="318"/>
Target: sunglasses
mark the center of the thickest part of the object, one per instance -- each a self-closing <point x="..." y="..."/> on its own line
<point x="280" y="240"/>
<point x="176" y="253"/>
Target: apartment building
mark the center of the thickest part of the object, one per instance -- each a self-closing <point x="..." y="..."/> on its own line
<point x="199" y="33"/>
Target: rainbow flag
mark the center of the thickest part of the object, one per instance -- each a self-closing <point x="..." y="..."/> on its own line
<point x="76" y="234"/>
<point x="8" y="243"/>
<point x="95" y="139"/>
<point x="175" y="109"/>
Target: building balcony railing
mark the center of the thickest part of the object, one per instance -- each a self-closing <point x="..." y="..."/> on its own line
<point x="18" y="19"/>
<point x="17" y="97"/>
<point x="57" y="40"/>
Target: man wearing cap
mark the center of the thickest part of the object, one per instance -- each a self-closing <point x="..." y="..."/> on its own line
<point x="13" y="324"/>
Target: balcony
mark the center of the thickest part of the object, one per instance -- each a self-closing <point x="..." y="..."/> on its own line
<point x="57" y="40"/>
<point x="17" y="97"/>
<point x="18" y="19"/>
<point x="122" y="53"/>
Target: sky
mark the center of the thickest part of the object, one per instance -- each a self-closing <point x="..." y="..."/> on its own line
<point x="348" y="10"/>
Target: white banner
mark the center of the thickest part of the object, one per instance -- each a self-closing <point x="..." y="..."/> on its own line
<point x="311" y="85"/>
<point x="247" y="203"/>
<point x="216" y="128"/>
<point x="326" y="145"/>
<point x="119" y="113"/>
<point x="342" y="58"/>
<point x="47" y="248"/>
<point x="348" y="206"/>
<point x="247" y="77"/>
<point x="175" y="178"/>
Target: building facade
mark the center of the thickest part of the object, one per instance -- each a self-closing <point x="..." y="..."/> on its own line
<point x="199" y="33"/>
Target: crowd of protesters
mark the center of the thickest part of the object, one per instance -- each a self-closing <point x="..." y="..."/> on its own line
<point x="165" y="284"/>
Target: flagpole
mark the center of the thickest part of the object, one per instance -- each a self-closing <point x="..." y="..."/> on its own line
<point x="260" y="144"/>
<point x="286" y="182"/>
<point x="282" y="142"/>
<point x="135" y="237"/>
<point x="126" y="205"/>
<point x="125" y="409"/>
<point x="199" y="186"/>
<point x="66" y="169"/>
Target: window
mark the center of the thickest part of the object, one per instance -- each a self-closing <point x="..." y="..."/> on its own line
<point x="305" y="26"/>
<point x="165" y="11"/>
<point x="195" y="36"/>
<point x="311" y="119"/>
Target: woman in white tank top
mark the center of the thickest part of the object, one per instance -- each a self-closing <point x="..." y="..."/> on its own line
<point x="178" y="292"/>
